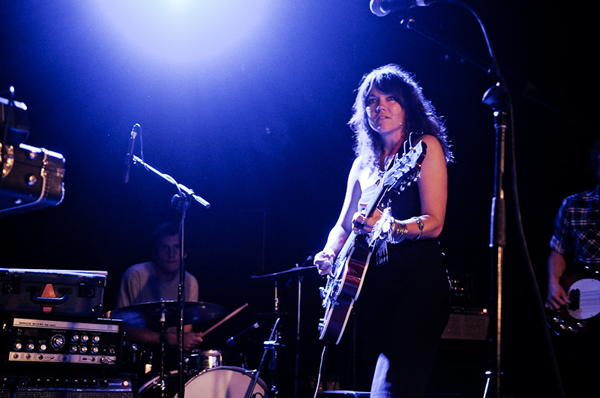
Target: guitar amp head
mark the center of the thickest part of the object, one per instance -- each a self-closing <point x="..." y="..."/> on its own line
<point x="42" y="341"/>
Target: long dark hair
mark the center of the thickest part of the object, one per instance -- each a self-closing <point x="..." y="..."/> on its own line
<point x="420" y="115"/>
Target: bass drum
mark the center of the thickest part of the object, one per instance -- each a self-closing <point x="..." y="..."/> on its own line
<point x="224" y="382"/>
<point x="155" y="388"/>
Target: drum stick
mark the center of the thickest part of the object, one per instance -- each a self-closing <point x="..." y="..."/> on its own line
<point x="213" y="327"/>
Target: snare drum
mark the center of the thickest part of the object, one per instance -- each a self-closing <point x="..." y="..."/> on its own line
<point x="224" y="382"/>
<point x="198" y="361"/>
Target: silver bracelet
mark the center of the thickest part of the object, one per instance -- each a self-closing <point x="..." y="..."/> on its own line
<point x="397" y="232"/>
<point x="421" y="226"/>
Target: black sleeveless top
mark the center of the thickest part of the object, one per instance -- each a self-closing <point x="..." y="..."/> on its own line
<point x="394" y="263"/>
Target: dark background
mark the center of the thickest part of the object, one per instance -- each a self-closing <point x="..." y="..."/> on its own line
<point x="260" y="132"/>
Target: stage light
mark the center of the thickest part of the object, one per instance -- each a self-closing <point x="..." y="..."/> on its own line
<point x="184" y="31"/>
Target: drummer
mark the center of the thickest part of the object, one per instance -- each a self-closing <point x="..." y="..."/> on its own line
<point x="158" y="280"/>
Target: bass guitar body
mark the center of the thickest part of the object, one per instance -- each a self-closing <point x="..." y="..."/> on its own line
<point x="583" y="289"/>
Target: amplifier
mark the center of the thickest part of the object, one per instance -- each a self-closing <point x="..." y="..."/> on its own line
<point x="52" y="291"/>
<point x="41" y="341"/>
<point x="120" y="386"/>
<point x="467" y="324"/>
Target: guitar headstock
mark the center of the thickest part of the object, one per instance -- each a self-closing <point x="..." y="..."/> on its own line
<point x="406" y="169"/>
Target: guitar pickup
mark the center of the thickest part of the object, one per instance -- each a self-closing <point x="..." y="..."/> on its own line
<point x="574" y="298"/>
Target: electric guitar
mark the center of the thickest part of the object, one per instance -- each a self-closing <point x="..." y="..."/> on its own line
<point x="348" y="270"/>
<point x="583" y="289"/>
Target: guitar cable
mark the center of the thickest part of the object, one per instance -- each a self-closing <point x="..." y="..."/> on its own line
<point x="320" y="370"/>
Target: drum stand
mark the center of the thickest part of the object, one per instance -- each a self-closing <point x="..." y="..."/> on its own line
<point x="163" y="336"/>
<point x="270" y="345"/>
<point x="161" y="382"/>
<point x="294" y="270"/>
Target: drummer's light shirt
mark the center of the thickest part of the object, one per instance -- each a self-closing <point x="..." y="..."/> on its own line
<point x="140" y="284"/>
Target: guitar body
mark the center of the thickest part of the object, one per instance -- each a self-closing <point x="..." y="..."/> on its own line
<point x="344" y="287"/>
<point x="583" y="289"/>
<point x="350" y="266"/>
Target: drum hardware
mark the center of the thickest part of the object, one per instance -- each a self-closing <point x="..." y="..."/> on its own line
<point x="163" y="339"/>
<point x="295" y="270"/>
<point x="142" y="316"/>
<point x="229" y="381"/>
<point x="136" y="358"/>
<point x="269" y="345"/>
<point x="148" y="315"/>
<point x="160" y="386"/>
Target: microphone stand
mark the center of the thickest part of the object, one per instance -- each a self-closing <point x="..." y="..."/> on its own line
<point x="271" y="344"/>
<point x="181" y="201"/>
<point x="498" y="98"/>
<point x="299" y="301"/>
<point x="495" y="98"/>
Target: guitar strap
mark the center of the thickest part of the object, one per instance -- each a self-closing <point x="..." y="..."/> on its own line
<point x="381" y="255"/>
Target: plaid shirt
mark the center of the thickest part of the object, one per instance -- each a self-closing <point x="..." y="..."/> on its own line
<point x="577" y="228"/>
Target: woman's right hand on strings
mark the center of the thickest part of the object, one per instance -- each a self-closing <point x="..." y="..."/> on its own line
<point x="324" y="261"/>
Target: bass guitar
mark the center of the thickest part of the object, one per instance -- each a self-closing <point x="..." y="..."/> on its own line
<point x="350" y="266"/>
<point x="583" y="289"/>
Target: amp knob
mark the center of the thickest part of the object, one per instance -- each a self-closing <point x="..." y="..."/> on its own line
<point x="57" y="341"/>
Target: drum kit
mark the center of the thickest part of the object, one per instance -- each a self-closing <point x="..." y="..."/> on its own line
<point x="207" y="378"/>
<point x="203" y="371"/>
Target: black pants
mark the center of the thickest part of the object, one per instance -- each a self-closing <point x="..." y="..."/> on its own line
<point x="399" y="329"/>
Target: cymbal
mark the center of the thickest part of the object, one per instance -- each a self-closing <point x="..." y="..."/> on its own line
<point x="270" y="315"/>
<point x="284" y="273"/>
<point x="147" y="315"/>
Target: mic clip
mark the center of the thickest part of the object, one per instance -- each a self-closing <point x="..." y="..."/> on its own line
<point x="272" y="344"/>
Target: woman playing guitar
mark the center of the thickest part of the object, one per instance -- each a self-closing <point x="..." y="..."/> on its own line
<point x="404" y="306"/>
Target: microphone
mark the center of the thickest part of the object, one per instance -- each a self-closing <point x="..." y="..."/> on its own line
<point x="381" y="8"/>
<point x="308" y="259"/>
<point x="232" y="340"/>
<point x="129" y="158"/>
